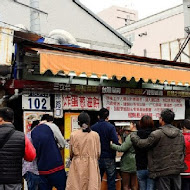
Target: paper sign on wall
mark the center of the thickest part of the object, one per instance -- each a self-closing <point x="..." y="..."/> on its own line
<point x="124" y="107"/>
<point x="30" y="116"/>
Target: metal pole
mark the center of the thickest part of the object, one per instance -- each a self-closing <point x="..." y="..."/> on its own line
<point x="34" y="17"/>
<point x="182" y="47"/>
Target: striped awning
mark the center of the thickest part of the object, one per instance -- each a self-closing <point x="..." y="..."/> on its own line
<point x="78" y="64"/>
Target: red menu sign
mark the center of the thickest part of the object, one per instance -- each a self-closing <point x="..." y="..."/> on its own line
<point x="82" y="102"/>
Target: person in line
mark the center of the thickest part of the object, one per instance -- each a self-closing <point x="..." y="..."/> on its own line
<point x="84" y="152"/>
<point x="49" y="159"/>
<point x="14" y="146"/>
<point x="107" y="133"/>
<point x="48" y="120"/>
<point x="128" y="163"/>
<point x="185" y="124"/>
<point x="166" y="157"/>
<point x="146" y="126"/>
<point x="30" y="169"/>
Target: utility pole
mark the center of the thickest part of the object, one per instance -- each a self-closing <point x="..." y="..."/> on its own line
<point x="34" y="17"/>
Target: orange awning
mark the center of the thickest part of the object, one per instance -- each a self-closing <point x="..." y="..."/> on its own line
<point x="56" y="61"/>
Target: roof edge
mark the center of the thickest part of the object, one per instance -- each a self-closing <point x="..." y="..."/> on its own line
<point x="102" y="22"/>
<point x="145" y="18"/>
<point x="62" y="48"/>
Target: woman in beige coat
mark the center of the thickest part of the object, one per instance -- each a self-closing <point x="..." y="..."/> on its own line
<point x="84" y="151"/>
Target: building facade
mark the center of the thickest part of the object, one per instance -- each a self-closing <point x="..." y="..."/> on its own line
<point x="149" y="33"/>
<point x="118" y="17"/>
<point x="68" y="15"/>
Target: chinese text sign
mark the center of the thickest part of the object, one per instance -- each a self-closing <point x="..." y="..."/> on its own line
<point x="134" y="107"/>
<point x="82" y="102"/>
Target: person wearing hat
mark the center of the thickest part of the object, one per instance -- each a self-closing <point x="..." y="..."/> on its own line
<point x="128" y="163"/>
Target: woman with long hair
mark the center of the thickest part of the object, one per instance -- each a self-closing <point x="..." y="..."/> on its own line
<point x="84" y="151"/>
<point x="146" y="126"/>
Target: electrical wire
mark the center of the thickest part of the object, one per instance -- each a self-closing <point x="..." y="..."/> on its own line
<point x="35" y="9"/>
<point x="9" y="10"/>
<point x="45" y="45"/>
<point x="28" y="31"/>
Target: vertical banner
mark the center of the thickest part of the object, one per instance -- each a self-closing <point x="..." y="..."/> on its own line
<point x="30" y="116"/>
<point x="58" y="110"/>
<point x="71" y="124"/>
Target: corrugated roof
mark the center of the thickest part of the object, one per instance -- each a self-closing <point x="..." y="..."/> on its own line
<point x="77" y="61"/>
<point x="107" y="68"/>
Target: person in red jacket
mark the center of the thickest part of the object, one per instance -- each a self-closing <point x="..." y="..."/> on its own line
<point x="186" y="175"/>
<point x="29" y="151"/>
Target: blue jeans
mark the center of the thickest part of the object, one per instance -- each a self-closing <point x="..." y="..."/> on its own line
<point x="145" y="182"/>
<point x="108" y="165"/>
<point x="32" y="180"/>
<point x="57" y="180"/>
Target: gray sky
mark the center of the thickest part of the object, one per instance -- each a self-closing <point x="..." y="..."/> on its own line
<point x="144" y="7"/>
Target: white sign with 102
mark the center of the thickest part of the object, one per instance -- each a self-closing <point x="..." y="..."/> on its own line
<point x="36" y="101"/>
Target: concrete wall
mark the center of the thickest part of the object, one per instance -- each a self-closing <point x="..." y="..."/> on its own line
<point x="152" y="31"/>
<point x="66" y="15"/>
<point x="13" y="13"/>
<point x="118" y="16"/>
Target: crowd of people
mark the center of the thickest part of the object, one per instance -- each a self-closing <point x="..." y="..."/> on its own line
<point x="153" y="158"/>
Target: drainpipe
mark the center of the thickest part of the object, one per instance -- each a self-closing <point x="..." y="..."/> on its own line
<point x="34" y="17"/>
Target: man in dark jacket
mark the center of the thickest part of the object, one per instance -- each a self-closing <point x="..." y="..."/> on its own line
<point x="13" y="147"/>
<point x="166" y="157"/>
<point x="107" y="133"/>
<point x="49" y="159"/>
